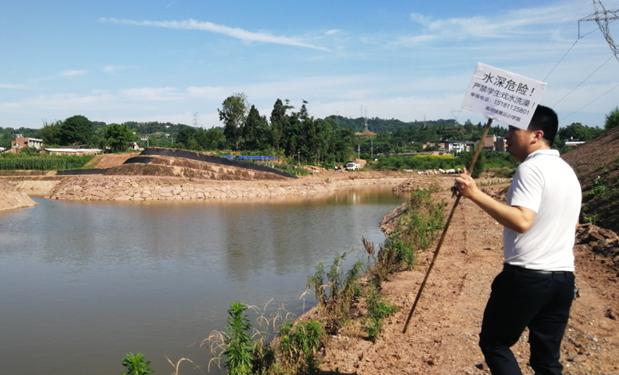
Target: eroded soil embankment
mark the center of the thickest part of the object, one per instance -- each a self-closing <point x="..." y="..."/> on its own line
<point x="10" y="198"/>
<point x="443" y="335"/>
<point x="144" y="188"/>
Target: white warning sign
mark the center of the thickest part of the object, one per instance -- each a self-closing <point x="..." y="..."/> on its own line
<point x="506" y="97"/>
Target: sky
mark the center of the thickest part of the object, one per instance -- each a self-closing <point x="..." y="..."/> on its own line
<point x="177" y="60"/>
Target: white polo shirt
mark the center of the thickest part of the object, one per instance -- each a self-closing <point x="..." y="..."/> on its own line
<point x="546" y="184"/>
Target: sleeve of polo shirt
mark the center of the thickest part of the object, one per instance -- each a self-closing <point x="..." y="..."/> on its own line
<point x="527" y="188"/>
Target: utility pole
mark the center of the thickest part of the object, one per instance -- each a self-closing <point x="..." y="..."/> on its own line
<point x="602" y="17"/>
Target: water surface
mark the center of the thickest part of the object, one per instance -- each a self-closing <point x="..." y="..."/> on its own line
<point x="81" y="284"/>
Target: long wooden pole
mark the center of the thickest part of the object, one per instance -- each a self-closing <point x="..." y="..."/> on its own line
<point x="451" y="214"/>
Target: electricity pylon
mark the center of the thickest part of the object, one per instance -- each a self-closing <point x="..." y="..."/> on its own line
<point x="602" y="17"/>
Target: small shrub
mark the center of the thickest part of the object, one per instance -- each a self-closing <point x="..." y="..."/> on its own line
<point x="136" y="364"/>
<point x="335" y="291"/>
<point x="598" y="188"/>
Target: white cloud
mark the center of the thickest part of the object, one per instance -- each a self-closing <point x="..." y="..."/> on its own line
<point x="73" y="73"/>
<point x="233" y="32"/>
<point x="333" y="32"/>
<point x="113" y="69"/>
<point x="151" y="94"/>
<point x="521" y="22"/>
<point x="406" y="97"/>
<point x="12" y="86"/>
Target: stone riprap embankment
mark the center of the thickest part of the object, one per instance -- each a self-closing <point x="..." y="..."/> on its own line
<point x="144" y="188"/>
<point x="12" y="199"/>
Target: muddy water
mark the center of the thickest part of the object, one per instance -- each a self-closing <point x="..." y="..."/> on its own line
<point x="82" y="284"/>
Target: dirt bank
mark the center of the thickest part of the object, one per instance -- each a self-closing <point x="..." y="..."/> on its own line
<point x="443" y="335"/>
<point x="10" y="198"/>
<point x="141" y="188"/>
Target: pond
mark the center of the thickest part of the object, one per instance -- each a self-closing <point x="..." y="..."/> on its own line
<point x="82" y="284"/>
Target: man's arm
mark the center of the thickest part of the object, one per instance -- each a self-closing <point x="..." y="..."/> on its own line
<point x="517" y="218"/>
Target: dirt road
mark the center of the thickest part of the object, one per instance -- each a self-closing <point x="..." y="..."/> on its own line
<point x="443" y="335"/>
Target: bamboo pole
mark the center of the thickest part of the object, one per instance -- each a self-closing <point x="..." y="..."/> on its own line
<point x="451" y="214"/>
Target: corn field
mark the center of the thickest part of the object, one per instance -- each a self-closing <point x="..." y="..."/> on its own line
<point x="48" y="162"/>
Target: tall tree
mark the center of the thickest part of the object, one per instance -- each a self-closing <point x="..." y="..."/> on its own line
<point x="256" y="132"/>
<point x="278" y="119"/>
<point x="211" y="139"/>
<point x="50" y="133"/>
<point x="578" y="131"/>
<point x="186" y="138"/>
<point x="612" y="119"/>
<point x="75" y="130"/>
<point x="118" y="137"/>
<point x="232" y="113"/>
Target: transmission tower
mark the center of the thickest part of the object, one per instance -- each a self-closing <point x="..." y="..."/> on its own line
<point x="602" y="17"/>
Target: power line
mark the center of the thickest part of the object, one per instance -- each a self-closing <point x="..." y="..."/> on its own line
<point x="566" y="53"/>
<point x="560" y="60"/>
<point x="569" y="115"/>
<point x="583" y="81"/>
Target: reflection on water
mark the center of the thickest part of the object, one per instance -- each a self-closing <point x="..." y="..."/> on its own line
<point x="81" y="284"/>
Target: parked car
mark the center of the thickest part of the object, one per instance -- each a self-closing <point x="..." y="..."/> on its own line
<point x="352" y="166"/>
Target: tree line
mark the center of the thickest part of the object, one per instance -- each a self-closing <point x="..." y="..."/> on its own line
<point x="286" y="132"/>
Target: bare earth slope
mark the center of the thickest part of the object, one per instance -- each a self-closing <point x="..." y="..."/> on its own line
<point x="597" y="165"/>
<point x="443" y="335"/>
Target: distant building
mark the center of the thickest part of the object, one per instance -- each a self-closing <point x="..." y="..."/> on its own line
<point x="456" y="147"/>
<point x="133" y="146"/>
<point x="489" y="142"/>
<point x="20" y="142"/>
<point x="500" y="144"/>
<point x="574" y="143"/>
<point x="429" y="146"/>
<point x="73" y="151"/>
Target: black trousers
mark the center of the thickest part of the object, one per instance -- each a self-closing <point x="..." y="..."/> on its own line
<point x="523" y="298"/>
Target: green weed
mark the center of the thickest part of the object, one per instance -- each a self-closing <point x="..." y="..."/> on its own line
<point x="136" y="364"/>
<point x="378" y="309"/>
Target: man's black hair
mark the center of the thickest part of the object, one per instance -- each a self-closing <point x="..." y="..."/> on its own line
<point x="545" y="119"/>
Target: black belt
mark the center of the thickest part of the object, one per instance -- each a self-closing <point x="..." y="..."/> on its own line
<point x="511" y="267"/>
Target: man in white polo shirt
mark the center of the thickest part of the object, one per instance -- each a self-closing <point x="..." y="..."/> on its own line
<point x="536" y="287"/>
